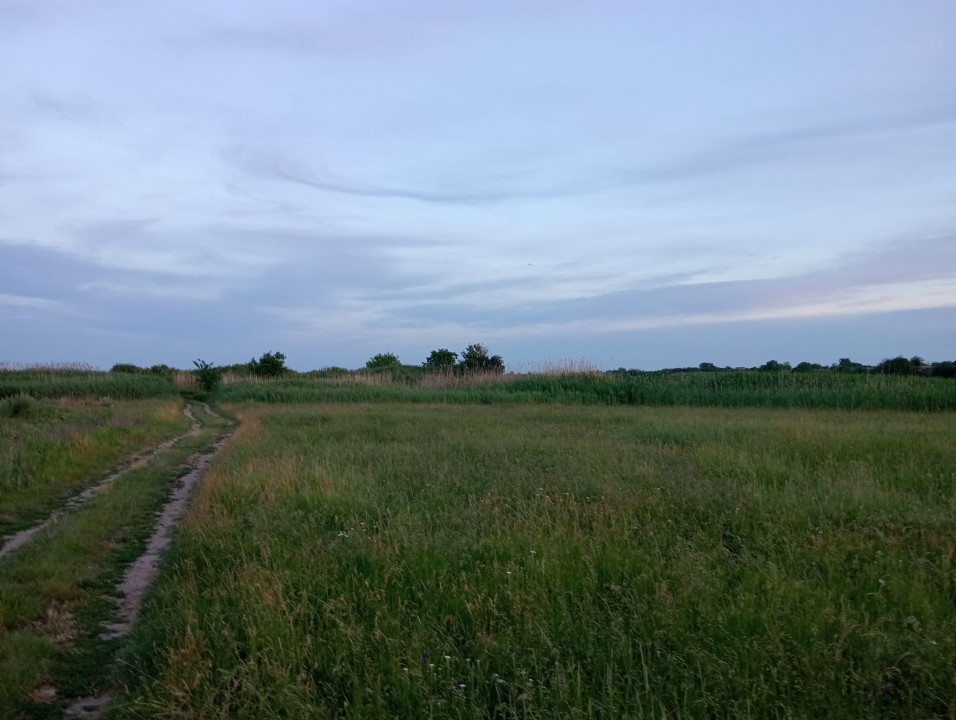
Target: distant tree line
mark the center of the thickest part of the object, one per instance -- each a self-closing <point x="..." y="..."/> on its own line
<point x="890" y="366"/>
<point x="474" y="358"/>
<point x="477" y="358"/>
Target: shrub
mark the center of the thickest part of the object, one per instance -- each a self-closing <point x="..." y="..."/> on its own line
<point x="269" y="365"/>
<point x="208" y="376"/>
<point x="162" y="371"/>
<point x="16" y="405"/>
<point x="442" y="359"/>
<point x="383" y="361"/>
<point x="126" y="368"/>
<point x="946" y="369"/>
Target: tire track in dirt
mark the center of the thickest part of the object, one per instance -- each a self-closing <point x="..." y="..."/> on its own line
<point x="140" y="574"/>
<point x="18" y="539"/>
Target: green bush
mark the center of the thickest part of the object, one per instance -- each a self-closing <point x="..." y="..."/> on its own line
<point x="16" y="406"/>
<point x="164" y="371"/>
<point x="442" y="359"/>
<point x="269" y="365"/>
<point x="208" y="376"/>
<point x="383" y="361"/>
<point x="126" y="368"/>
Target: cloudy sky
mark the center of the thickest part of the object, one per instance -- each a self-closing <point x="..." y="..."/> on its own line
<point x="625" y="183"/>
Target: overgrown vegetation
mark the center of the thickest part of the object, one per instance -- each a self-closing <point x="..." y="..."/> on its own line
<point x="53" y="450"/>
<point x="54" y="382"/>
<point x="377" y="561"/>
<point x="722" y="389"/>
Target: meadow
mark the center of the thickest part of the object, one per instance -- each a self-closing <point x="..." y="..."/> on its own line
<point x="568" y="545"/>
<point x="539" y="560"/>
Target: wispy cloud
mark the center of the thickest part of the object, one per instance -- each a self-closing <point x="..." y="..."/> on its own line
<point x="25" y="305"/>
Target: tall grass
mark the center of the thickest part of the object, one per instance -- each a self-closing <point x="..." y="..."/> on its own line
<point x="552" y="561"/>
<point x="719" y="389"/>
<point x="81" y="381"/>
<point x="57" y="447"/>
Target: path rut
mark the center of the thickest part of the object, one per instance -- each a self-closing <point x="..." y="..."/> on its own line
<point x="142" y="571"/>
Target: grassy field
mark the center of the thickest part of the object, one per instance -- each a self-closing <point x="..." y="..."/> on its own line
<point x="552" y="560"/>
<point x="708" y="389"/>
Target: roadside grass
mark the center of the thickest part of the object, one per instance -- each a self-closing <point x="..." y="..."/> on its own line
<point x="56" y="592"/>
<point x="539" y="561"/>
<point x="710" y="389"/>
<point x="52" y="448"/>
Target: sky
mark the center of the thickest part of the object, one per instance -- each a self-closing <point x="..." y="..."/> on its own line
<point x="613" y="184"/>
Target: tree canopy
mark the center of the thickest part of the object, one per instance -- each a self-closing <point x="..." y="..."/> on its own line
<point x="383" y="361"/>
<point x="475" y="357"/>
<point x="441" y="359"/>
<point x="269" y="365"/>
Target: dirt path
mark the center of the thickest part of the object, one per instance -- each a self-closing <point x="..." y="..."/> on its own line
<point x="142" y="571"/>
<point x="140" y="574"/>
<point x="19" y="539"/>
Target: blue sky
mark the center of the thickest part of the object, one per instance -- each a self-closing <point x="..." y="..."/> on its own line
<point x="637" y="184"/>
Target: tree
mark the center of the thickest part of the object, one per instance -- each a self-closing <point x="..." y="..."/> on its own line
<point x="946" y="369"/>
<point x="807" y="367"/>
<point x="269" y="365"/>
<point x="442" y="359"/>
<point x="774" y="366"/>
<point x="707" y="367"/>
<point x="208" y="375"/>
<point x="383" y="361"/>
<point x="848" y="366"/>
<point x="476" y="358"/>
<point x="897" y="366"/>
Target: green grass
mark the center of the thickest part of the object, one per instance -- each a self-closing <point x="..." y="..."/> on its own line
<point x="56" y="447"/>
<point x="56" y="591"/>
<point x="539" y="561"/>
<point x="718" y="389"/>
<point x="83" y="382"/>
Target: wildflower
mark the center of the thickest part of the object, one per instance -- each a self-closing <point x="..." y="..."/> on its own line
<point x="459" y="684"/>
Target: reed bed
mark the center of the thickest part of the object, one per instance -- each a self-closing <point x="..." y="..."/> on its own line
<point x="718" y="389"/>
<point x="73" y="381"/>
